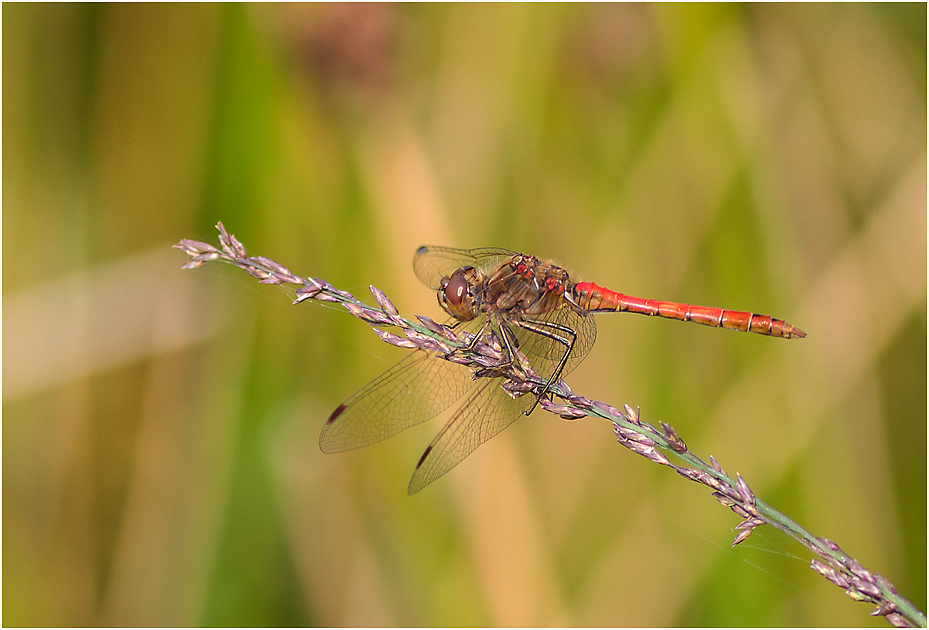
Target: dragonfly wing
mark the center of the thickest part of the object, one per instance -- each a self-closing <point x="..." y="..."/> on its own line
<point x="412" y="391"/>
<point x="485" y="411"/>
<point x="545" y="352"/>
<point x="432" y="262"/>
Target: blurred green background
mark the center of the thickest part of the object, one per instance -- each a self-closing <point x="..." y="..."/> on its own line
<point x="160" y="458"/>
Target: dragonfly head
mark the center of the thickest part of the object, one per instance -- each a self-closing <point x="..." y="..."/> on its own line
<point x="456" y="295"/>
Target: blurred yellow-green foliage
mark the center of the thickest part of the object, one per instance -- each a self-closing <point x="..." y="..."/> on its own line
<point x="160" y="459"/>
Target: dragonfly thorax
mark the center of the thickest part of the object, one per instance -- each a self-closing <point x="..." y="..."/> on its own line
<point x="523" y="286"/>
<point x="527" y="287"/>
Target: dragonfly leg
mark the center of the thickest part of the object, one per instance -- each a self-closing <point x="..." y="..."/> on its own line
<point x="470" y="347"/>
<point x="509" y="342"/>
<point x="551" y="330"/>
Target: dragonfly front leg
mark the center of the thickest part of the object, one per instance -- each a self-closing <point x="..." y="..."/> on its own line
<point x="477" y="337"/>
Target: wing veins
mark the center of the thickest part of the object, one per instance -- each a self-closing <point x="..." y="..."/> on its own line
<point x="410" y="392"/>
<point x="482" y="415"/>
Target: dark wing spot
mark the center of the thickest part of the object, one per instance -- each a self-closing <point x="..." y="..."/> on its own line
<point x="335" y="414"/>
<point x="425" y="455"/>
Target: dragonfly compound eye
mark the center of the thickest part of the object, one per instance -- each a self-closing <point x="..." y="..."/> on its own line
<point x="456" y="289"/>
<point x="456" y="295"/>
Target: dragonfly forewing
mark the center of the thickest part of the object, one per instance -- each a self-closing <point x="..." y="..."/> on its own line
<point x="432" y="262"/>
<point x="412" y="391"/>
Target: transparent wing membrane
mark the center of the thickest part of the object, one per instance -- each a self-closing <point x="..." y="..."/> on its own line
<point x="432" y="262"/>
<point x="417" y="388"/>
<point x="484" y="412"/>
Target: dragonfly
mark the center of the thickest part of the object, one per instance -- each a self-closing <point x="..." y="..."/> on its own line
<point x="534" y="314"/>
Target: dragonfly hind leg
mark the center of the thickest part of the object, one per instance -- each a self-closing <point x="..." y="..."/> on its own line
<point x="538" y="327"/>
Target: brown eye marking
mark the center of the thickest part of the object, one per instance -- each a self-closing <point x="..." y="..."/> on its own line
<point x="456" y="289"/>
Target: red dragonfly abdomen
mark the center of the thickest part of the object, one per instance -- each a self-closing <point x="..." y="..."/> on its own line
<point x="592" y="297"/>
